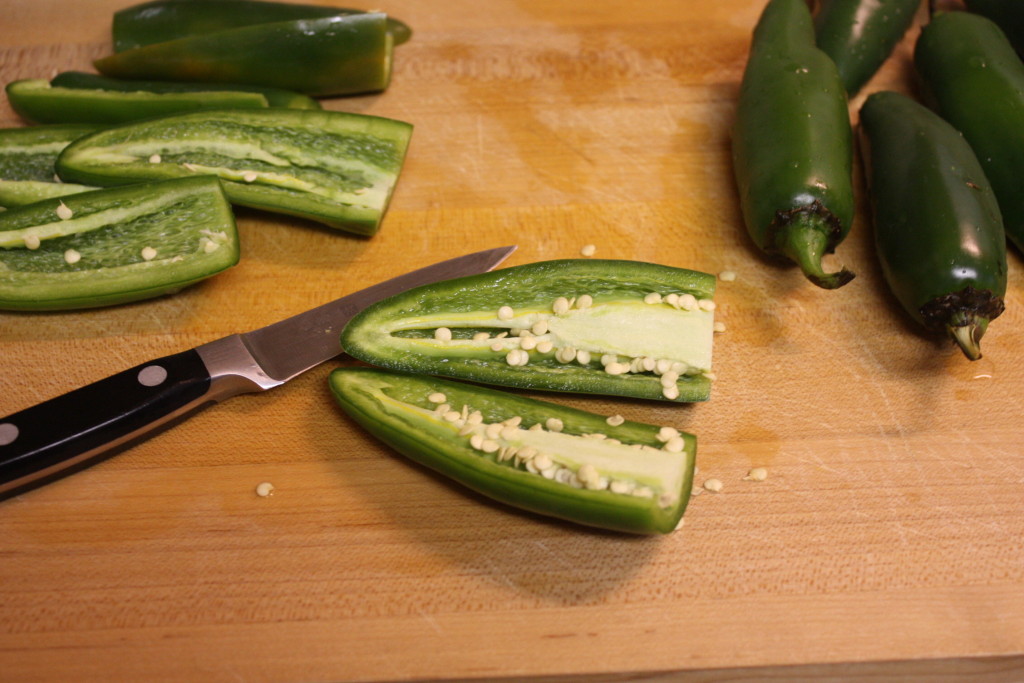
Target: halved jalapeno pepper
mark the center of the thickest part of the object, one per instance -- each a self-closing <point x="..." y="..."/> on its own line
<point x="587" y="326"/>
<point x="792" y="144"/>
<point x="116" y="245"/>
<point x="938" y="230"/>
<point x="333" y="167"/>
<point x="534" y="455"/>
<point x="75" y="97"/>
<point x="27" y="163"/>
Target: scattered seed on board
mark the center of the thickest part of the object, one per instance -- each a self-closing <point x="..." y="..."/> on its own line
<point x="756" y="474"/>
<point x="63" y="212"/>
<point x="72" y="257"/>
<point x="588" y="250"/>
<point x="713" y="485"/>
<point x="719" y="326"/>
<point x="727" y="276"/>
<point x="443" y="334"/>
<point x="264" y="489"/>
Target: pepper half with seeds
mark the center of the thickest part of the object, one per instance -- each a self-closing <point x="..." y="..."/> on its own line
<point x="114" y="246"/>
<point x="162" y="20"/>
<point x="75" y="97"/>
<point x="533" y="455"/>
<point x="334" y="55"/>
<point x="792" y="144"/>
<point x="621" y="328"/>
<point x="976" y="81"/>
<point x="27" y="163"/>
<point x="333" y="167"/>
<point x="860" y="34"/>
<point x="938" y="231"/>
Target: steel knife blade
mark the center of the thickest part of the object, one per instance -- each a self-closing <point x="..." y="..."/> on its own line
<point x="77" y="429"/>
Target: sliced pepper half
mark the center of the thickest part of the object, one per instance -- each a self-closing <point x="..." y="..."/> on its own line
<point x="27" y="163"/>
<point x="163" y="20"/>
<point x="534" y="455"/>
<point x="75" y="97"/>
<point x="116" y="245"/>
<point x="333" y="167"/>
<point x="622" y="328"/>
<point x="335" y="55"/>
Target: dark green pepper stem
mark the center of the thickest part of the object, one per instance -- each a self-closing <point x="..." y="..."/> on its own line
<point x="859" y="35"/>
<point x="163" y="20"/>
<point x="1007" y="14"/>
<point x="938" y="231"/>
<point x="792" y="144"/>
<point x="976" y="81"/>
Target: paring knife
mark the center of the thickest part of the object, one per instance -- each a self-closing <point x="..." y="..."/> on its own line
<point x="70" y="432"/>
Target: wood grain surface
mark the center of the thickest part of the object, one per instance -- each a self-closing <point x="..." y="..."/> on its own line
<point x="884" y="545"/>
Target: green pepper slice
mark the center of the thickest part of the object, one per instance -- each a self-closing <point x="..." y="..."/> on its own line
<point x="976" y="80"/>
<point x="75" y="97"/>
<point x="621" y="328"/>
<point x="27" y="163"/>
<point x="859" y="35"/>
<point x="938" y="231"/>
<point x="114" y="246"/>
<point x="333" y="167"/>
<point x="792" y="144"/>
<point x="1006" y="14"/>
<point x="533" y="455"/>
<point x="335" y="55"/>
<point x="163" y="20"/>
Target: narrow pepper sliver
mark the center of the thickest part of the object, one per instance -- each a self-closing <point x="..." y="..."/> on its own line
<point x="530" y="454"/>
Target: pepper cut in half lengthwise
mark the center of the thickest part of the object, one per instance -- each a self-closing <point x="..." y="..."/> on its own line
<point x="792" y="145"/>
<point x="622" y="328"/>
<point x="530" y="454"/>
<point x="28" y="158"/>
<point x="332" y="167"/>
<point x="938" y="230"/>
<point x="113" y="246"/>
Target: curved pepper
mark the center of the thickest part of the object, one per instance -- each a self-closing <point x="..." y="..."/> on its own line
<point x="335" y="55"/>
<point x="792" y="144"/>
<point x="75" y="97"/>
<point x="163" y="20"/>
<point x="27" y="162"/>
<point x="622" y="328"/>
<point x="530" y="454"/>
<point x="336" y="168"/>
<point x="938" y="230"/>
<point x="1007" y="14"/>
<point x="859" y="35"/>
<point x="976" y="80"/>
<point x="114" y="246"/>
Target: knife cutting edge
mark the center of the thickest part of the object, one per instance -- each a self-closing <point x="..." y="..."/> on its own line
<point x="77" y="429"/>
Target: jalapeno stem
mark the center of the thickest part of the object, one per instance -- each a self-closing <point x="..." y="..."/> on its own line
<point x="805" y="240"/>
<point x="967" y="337"/>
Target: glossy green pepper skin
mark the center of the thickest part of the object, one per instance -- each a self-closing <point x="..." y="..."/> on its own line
<point x="75" y="97"/>
<point x="792" y="144"/>
<point x="163" y="20"/>
<point x="859" y="35"/>
<point x="28" y="158"/>
<point x="334" y="55"/>
<point x="976" y="81"/>
<point x="622" y="328"/>
<point x="938" y="231"/>
<point x="336" y="168"/>
<point x="1007" y="14"/>
<point x="537" y="456"/>
<point x="114" y="246"/>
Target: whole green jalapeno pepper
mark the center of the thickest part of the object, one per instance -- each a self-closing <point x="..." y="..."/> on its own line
<point x="622" y="328"/>
<point x="1007" y="14"/>
<point x="162" y="20"/>
<point x="792" y="144"/>
<point x="859" y="35"/>
<point x="534" y="455"/>
<point x="938" y="231"/>
<point x="976" y="81"/>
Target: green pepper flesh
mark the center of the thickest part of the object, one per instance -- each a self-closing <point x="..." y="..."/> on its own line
<point x="621" y="477"/>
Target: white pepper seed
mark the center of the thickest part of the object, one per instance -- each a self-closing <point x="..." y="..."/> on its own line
<point x="509" y="433"/>
<point x="540" y="327"/>
<point x="671" y="393"/>
<point x="72" y="257"/>
<point x="154" y="159"/>
<point x="63" y="212"/>
<point x="719" y="326"/>
<point x="649" y="364"/>
<point x="527" y="453"/>
<point x="756" y="474"/>
<point x="566" y="354"/>
<point x="688" y="302"/>
<point x="652" y="298"/>
<point x="545" y="346"/>
<point x="264" y="489"/>
<point x="501" y="335"/>
<point x="497" y="346"/>
<point x="481" y="336"/>
<point x="554" y="424"/>
<point x="437" y="397"/>
<point x="506" y="313"/>
<point x="475" y="418"/>
<point x="669" y="378"/>
<point x="615" y="420"/>
<point x="587" y="473"/>
<point x="727" y="276"/>
<point x="662" y="366"/>
<point x="616" y="368"/>
<point x="528" y="343"/>
<point x="476" y="441"/>
<point x="710" y="375"/>
<point x="675" y="445"/>
<point x="707" y="305"/>
<point x="542" y="461"/>
<point x="585" y="301"/>
<point x="666" y="433"/>
<point x="619" y="486"/>
<point x="443" y="334"/>
<point x="560" y="306"/>
<point x="249" y="176"/>
<point x="489" y="446"/>
<point x="536" y="427"/>
<point x="32" y="242"/>
<point x="588" y="250"/>
<point x="608" y="358"/>
<point x="492" y="430"/>
<point x="713" y="485"/>
<point x="583" y="357"/>
<point x="452" y="416"/>
<point x="672" y="299"/>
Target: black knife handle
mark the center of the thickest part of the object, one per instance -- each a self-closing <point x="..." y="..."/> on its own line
<point x="77" y="429"/>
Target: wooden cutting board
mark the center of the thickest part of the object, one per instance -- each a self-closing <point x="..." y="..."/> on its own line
<point x="884" y="545"/>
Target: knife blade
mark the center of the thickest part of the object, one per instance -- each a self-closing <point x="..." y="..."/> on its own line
<point x="77" y="429"/>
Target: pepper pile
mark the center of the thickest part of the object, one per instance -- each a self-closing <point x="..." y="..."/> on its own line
<point x="942" y="181"/>
<point x="215" y="89"/>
